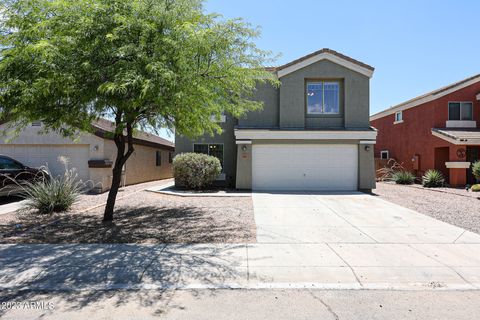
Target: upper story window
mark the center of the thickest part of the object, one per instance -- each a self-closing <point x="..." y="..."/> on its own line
<point x="460" y="111"/>
<point x="398" y="117"/>
<point x="323" y="97"/>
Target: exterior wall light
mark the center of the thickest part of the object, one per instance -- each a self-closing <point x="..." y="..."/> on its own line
<point x="244" y="148"/>
<point x="367" y="148"/>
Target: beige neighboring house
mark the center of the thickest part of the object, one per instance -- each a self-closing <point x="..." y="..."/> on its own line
<point x="91" y="154"/>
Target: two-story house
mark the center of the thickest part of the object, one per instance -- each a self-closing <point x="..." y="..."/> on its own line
<point x="313" y="132"/>
<point x="438" y="130"/>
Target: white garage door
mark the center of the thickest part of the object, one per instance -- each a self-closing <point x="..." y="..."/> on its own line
<point x="43" y="155"/>
<point x="305" y="167"/>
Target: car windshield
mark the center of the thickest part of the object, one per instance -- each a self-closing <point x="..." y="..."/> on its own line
<point x="9" y="164"/>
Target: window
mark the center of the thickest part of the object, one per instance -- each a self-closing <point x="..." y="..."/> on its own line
<point x="323" y="97"/>
<point x="215" y="150"/>
<point x="158" y="158"/>
<point x="460" y="111"/>
<point x="9" y="164"/>
<point x="384" y="154"/>
<point x="170" y="157"/>
<point x="399" y="116"/>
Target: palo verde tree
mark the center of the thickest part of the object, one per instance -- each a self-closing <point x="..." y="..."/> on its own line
<point x="141" y="63"/>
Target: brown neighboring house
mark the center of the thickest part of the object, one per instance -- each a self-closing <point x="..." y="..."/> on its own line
<point x="91" y="154"/>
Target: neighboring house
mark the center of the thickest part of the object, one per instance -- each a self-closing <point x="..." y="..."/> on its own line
<point x="313" y="132"/>
<point x="91" y="154"/>
<point x="438" y="130"/>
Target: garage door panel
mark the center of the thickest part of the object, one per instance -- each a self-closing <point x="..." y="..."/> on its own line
<point x="47" y="155"/>
<point x="305" y="167"/>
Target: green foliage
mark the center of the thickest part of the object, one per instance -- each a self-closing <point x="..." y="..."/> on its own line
<point x="151" y="63"/>
<point x="148" y="64"/>
<point x="476" y="188"/>
<point x="195" y="170"/>
<point x="56" y="194"/>
<point x="403" y="177"/>
<point x="476" y="170"/>
<point x="432" y="179"/>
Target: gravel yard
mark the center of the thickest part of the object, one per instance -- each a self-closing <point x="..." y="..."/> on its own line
<point x="455" y="206"/>
<point x="140" y="217"/>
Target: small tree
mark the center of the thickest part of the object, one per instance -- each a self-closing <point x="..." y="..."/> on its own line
<point x="144" y="63"/>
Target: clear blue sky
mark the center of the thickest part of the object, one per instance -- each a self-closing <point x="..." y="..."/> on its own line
<point x="415" y="46"/>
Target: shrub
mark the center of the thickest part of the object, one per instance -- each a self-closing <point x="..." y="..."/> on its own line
<point x="403" y="177"/>
<point x="195" y="170"/>
<point x="476" y="170"/>
<point x="56" y="194"/>
<point x="476" y="188"/>
<point x="432" y="179"/>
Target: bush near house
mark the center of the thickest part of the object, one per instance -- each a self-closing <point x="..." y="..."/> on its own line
<point x="195" y="170"/>
<point x="403" y="177"/>
<point x="432" y="179"/>
<point x="476" y="170"/>
<point x="476" y="188"/>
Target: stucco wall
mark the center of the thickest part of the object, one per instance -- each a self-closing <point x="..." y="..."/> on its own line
<point x="366" y="167"/>
<point x="268" y="116"/>
<point x="414" y="136"/>
<point x="355" y="97"/>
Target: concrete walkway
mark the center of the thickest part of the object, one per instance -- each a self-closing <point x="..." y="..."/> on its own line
<point x="321" y="241"/>
<point x="11" y="206"/>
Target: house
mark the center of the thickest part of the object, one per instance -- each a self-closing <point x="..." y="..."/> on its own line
<point x="91" y="154"/>
<point x="313" y="132"/>
<point x="438" y="130"/>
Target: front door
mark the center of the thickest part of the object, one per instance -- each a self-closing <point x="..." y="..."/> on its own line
<point x="473" y="155"/>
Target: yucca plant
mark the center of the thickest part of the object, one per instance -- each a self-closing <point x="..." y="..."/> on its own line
<point x="55" y="194"/>
<point x="432" y="179"/>
<point x="403" y="177"/>
<point x="476" y="170"/>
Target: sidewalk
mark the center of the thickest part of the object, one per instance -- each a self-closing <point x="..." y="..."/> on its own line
<point x="214" y="266"/>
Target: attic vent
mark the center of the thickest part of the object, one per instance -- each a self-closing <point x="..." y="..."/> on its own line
<point x="37" y="124"/>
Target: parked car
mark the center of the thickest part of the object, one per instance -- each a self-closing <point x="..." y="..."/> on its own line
<point x="13" y="173"/>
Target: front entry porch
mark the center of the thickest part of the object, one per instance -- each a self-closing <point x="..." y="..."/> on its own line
<point x="463" y="150"/>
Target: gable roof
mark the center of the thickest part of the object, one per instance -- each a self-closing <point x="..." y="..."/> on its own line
<point x="323" y="54"/>
<point x="102" y="127"/>
<point x="427" y="97"/>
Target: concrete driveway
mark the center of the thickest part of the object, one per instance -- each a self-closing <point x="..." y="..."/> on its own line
<point x="355" y="238"/>
<point x="314" y="241"/>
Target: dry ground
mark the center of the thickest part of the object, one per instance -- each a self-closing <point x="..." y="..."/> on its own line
<point x="455" y="206"/>
<point x="140" y="217"/>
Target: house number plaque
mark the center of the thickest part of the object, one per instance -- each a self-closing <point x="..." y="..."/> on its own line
<point x="461" y="153"/>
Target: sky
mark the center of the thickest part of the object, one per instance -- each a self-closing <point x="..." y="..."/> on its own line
<point x="415" y="46"/>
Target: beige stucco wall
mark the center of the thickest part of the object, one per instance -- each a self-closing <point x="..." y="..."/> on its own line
<point x="140" y="167"/>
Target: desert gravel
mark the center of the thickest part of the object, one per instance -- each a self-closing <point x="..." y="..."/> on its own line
<point x="455" y="206"/>
<point x="140" y="217"/>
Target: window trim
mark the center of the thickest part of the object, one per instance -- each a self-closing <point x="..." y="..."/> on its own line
<point x="340" y="98"/>
<point x="208" y="148"/>
<point x="459" y="102"/>
<point x="401" y="117"/>
<point x="384" y="151"/>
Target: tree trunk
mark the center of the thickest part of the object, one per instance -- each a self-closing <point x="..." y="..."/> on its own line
<point x="120" y="161"/>
<point x="112" y="194"/>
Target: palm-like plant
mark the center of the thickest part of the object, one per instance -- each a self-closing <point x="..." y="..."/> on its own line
<point x="433" y="178"/>
<point x="403" y="177"/>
